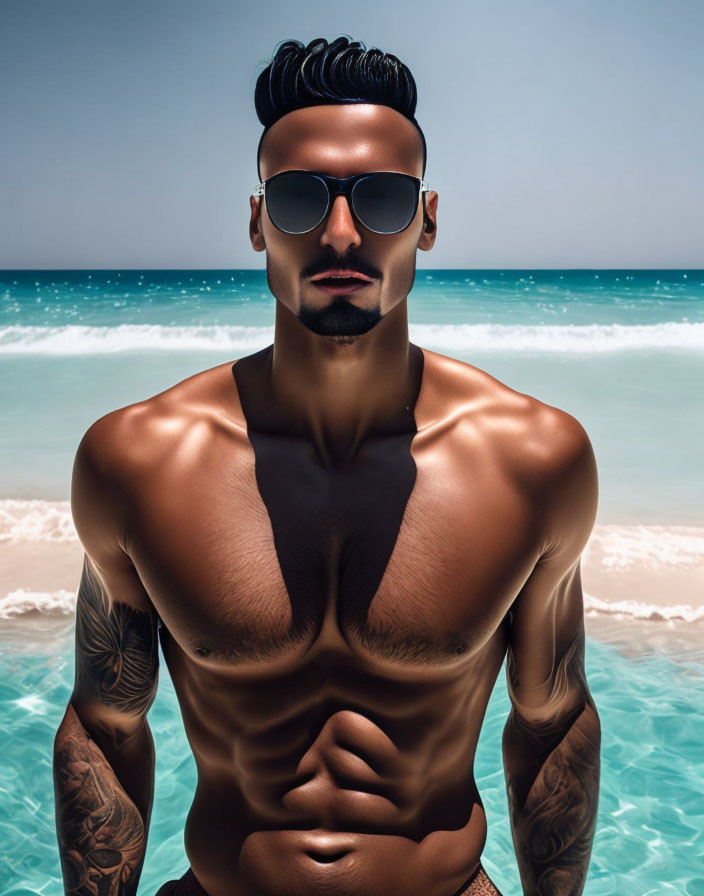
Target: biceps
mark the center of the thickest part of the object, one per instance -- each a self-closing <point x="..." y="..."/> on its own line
<point x="545" y="659"/>
<point x="116" y="651"/>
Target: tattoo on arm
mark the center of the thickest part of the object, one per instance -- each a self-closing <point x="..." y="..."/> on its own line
<point x="116" y="649"/>
<point x="555" y="828"/>
<point x="100" y="831"/>
<point x="102" y="769"/>
<point x="553" y="792"/>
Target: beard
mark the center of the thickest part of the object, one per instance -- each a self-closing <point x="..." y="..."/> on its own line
<point x="340" y="318"/>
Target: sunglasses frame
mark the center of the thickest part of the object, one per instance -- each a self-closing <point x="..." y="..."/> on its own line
<point x="342" y="187"/>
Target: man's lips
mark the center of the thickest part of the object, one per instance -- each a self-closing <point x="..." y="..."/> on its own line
<point x="336" y="272"/>
<point x="340" y="282"/>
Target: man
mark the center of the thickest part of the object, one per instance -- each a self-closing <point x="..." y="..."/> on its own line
<point x="337" y="539"/>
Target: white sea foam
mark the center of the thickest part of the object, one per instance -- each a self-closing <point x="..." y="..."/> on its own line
<point x="36" y="521"/>
<point x="640" y="610"/>
<point x="646" y="547"/>
<point x="572" y="338"/>
<point x="50" y="603"/>
<point x="83" y="340"/>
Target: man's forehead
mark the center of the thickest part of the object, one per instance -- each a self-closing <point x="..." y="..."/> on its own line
<point x="341" y="140"/>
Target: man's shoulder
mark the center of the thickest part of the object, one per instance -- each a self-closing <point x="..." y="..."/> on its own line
<point x="136" y="434"/>
<point x="544" y="451"/>
<point x="534" y="438"/>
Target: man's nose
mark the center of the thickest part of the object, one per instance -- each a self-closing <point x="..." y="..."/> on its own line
<point x="340" y="229"/>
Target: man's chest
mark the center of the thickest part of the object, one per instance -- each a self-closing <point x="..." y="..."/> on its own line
<point x="414" y="551"/>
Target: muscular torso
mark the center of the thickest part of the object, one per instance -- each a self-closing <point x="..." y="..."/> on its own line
<point x="333" y="632"/>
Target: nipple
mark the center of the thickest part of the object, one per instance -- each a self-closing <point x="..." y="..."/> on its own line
<point x="202" y="651"/>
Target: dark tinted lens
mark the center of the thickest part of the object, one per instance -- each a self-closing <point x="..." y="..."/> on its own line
<point x="385" y="203"/>
<point x="296" y="202"/>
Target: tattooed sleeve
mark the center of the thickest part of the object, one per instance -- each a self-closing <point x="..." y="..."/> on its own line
<point x="101" y="834"/>
<point x="103" y="751"/>
<point x="116" y="650"/>
<point x="552" y="771"/>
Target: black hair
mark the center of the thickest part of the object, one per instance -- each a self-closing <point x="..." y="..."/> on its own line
<point x="323" y="73"/>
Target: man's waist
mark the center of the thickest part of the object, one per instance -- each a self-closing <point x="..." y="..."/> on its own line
<point x="339" y="863"/>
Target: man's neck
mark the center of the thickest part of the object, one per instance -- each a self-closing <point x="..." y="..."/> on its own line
<point x="339" y="392"/>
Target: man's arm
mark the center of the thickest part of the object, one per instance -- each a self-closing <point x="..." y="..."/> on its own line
<point x="103" y="749"/>
<point x="552" y="738"/>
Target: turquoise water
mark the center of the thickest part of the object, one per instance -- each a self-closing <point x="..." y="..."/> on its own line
<point x="623" y="351"/>
<point x="650" y="829"/>
<point x="110" y="298"/>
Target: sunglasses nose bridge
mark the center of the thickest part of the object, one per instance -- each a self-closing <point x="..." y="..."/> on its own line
<point x="339" y="188"/>
<point x="341" y="223"/>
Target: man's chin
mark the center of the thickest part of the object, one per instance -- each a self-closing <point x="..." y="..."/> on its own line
<point x="341" y="320"/>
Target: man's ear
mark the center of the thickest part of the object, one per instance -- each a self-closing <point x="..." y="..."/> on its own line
<point x="256" y="236"/>
<point x="430" y="212"/>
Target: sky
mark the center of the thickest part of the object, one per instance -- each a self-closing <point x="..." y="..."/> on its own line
<point x="561" y="134"/>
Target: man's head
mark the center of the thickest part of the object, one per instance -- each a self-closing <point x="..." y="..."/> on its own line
<point x="340" y="110"/>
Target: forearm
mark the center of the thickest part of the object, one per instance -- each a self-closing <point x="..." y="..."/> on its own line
<point x="102" y="831"/>
<point x="552" y="778"/>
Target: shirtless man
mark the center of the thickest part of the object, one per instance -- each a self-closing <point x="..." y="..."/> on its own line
<point x="337" y="540"/>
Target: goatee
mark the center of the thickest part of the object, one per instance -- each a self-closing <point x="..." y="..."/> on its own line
<point x="340" y="318"/>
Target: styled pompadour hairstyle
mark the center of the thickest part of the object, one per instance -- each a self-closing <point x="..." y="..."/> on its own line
<point x="323" y="73"/>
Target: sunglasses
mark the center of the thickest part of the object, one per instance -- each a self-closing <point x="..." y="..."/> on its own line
<point x="382" y="201"/>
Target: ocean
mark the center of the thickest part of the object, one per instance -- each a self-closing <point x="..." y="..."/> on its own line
<point x="622" y="351"/>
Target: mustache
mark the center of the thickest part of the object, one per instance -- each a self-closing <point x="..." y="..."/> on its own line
<point x="345" y="263"/>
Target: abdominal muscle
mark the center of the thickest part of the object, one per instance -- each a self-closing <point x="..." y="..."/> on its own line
<point x="336" y="827"/>
<point x="300" y="862"/>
